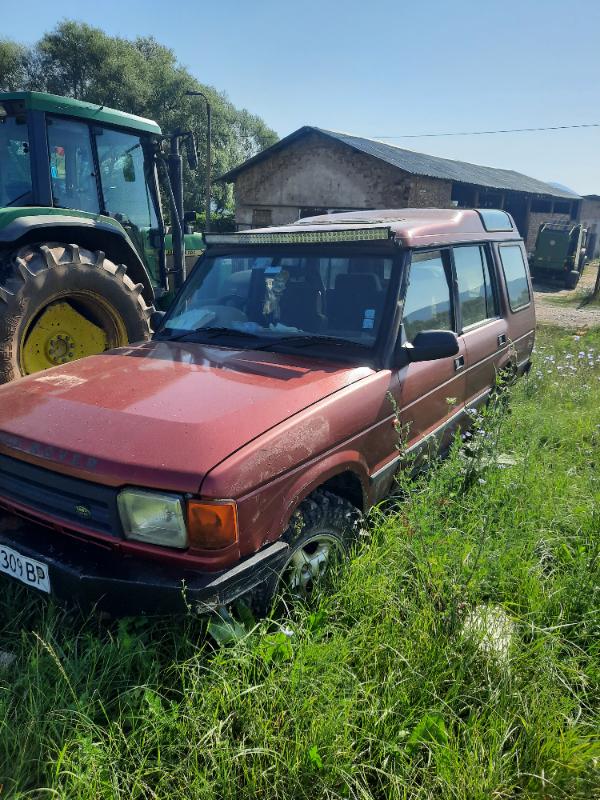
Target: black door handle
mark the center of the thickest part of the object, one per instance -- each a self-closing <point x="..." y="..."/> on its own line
<point x="459" y="363"/>
<point x="501" y="339"/>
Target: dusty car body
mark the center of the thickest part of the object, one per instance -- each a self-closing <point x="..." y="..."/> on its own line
<point x="276" y="377"/>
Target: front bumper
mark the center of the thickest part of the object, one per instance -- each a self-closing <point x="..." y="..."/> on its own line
<point x="88" y="574"/>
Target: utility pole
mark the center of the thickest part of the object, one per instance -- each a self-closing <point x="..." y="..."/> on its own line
<point x="208" y="153"/>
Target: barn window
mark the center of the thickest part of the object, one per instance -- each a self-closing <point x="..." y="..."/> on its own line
<point x="539" y="205"/>
<point x="262" y="217"/>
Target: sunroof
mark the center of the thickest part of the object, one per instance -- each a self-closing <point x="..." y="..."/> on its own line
<point x="495" y="220"/>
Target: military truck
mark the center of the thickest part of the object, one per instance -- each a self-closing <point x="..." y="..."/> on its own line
<point x="85" y="252"/>
<point x="559" y="253"/>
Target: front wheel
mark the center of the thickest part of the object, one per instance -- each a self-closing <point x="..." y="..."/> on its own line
<point x="321" y="534"/>
<point x="60" y="302"/>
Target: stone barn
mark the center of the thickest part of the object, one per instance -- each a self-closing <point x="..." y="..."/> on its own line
<point x="590" y="216"/>
<point x="314" y="171"/>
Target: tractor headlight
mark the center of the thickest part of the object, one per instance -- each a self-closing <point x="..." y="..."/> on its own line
<point x="153" y="517"/>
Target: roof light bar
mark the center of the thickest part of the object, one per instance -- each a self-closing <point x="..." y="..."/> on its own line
<point x="302" y="237"/>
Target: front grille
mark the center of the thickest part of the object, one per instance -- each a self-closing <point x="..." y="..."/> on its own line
<point x="67" y="499"/>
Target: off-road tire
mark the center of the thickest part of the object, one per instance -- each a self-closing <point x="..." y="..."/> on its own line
<point x="36" y="275"/>
<point x="321" y="512"/>
<point x="572" y="279"/>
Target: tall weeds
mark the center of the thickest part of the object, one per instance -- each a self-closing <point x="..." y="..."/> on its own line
<point x="458" y="656"/>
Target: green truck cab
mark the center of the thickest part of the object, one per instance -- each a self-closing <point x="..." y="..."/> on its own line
<point x="85" y="252"/>
<point x="559" y="253"/>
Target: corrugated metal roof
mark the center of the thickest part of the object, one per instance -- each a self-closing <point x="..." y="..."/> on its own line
<point x="419" y="164"/>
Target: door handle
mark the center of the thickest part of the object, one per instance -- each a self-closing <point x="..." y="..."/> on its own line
<point x="501" y="339"/>
<point x="459" y="363"/>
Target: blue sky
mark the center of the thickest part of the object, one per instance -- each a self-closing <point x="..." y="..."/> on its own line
<point x="384" y="68"/>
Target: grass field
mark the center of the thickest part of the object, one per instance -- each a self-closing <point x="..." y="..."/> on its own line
<point x="457" y="657"/>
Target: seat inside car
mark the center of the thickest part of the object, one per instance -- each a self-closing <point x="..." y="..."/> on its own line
<point x="356" y="298"/>
<point x="301" y="306"/>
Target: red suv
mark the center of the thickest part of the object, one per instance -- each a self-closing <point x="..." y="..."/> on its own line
<point x="231" y="452"/>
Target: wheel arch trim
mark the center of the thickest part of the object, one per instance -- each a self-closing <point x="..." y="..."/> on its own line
<point x="321" y="475"/>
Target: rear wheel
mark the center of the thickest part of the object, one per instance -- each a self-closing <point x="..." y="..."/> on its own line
<point x="60" y="302"/>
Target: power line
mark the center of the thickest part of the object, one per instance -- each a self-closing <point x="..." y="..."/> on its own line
<point x="485" y="133"/>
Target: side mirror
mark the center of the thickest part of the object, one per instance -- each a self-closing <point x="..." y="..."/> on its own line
<point x="192" y="153"/>
<point x="429" y="346"/>
<point x="156" y="319"/>
<point x="128" y="169"/>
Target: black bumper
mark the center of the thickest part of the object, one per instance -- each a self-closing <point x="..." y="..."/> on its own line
<point x="91" y="575"/>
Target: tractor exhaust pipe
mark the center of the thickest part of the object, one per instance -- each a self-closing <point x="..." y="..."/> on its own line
<point x="176" y="181"/>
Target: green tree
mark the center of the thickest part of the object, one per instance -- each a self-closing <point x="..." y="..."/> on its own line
<point x="13" y="58"/>
<point x="143" y="77"/>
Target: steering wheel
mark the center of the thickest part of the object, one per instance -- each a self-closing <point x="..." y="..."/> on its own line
<point x="232" y="300"/>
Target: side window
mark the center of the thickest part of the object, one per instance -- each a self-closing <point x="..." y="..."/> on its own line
<point x="123" y="178"/>
<point x="475" y="290"/>
<point x="427" y="303"/>
<point x="515" y="275"/>
<point x="15" y="172"/>
<point x="72" y="171"/>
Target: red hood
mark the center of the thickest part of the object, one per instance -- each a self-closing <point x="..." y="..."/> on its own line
<point x="160" y="414"/>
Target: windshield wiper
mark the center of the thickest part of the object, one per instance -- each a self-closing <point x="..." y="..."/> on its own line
<point x="307" y="339"/>
<point x="214" y="333"/>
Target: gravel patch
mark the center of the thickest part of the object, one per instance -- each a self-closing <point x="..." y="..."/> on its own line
<point x="572" y="317"/>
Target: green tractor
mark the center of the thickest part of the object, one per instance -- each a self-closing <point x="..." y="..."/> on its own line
<point x="85" y="255"/>
<point x="559" y="253"/>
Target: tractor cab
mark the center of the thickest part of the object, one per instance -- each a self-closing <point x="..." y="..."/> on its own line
<point x="80" y="184"/>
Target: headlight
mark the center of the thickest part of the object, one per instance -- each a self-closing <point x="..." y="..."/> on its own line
<point x="153" y="517"/>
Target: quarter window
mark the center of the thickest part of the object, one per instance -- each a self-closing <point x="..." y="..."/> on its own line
<point x="427" y="303"/>
<point x="475" y="291"/>
<point x="515" y="275"/>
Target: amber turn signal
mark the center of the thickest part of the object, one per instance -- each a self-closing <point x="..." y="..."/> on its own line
<point x="212" y="526"/>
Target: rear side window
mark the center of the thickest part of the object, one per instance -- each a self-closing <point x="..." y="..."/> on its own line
<point x="475" y="291"/>
<point x="515" y="275"/>
<point x="427" y="303"/>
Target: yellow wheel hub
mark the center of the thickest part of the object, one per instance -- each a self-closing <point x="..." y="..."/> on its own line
<point x="59" y="335"/>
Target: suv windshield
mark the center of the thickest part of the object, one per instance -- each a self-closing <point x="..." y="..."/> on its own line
<point x="300" y="297"/>
<point x="15" y="170"/>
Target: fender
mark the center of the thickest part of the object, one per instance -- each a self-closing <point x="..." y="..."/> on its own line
<point x="93" y="232"/>
<point x="265" y="515"/>
<point x="320" y="471"/>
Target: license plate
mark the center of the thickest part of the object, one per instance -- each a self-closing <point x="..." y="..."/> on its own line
<point x="27" y="570"/>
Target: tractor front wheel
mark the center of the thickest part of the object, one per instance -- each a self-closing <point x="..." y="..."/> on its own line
<point x="60" y="302"/>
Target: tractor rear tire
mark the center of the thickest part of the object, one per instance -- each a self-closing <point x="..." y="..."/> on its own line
<point x="59" y="302"/>
<point x="572" y="279"/>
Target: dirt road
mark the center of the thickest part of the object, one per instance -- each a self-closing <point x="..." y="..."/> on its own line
<point x="555" y="305"/>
